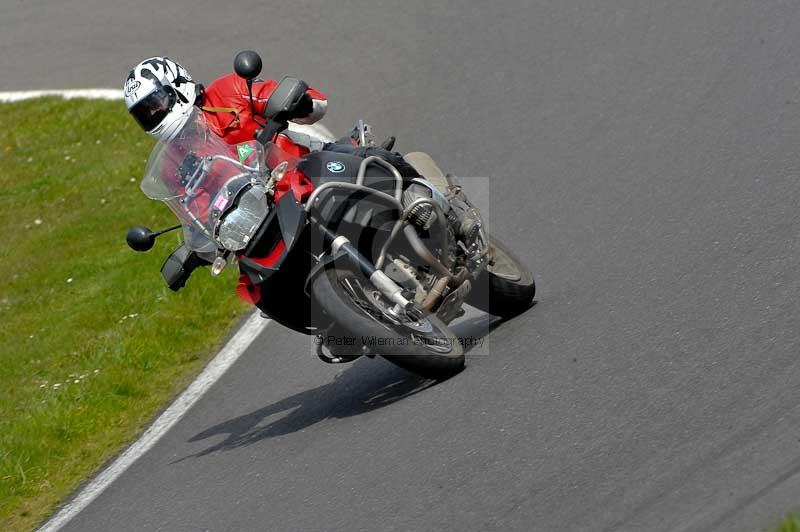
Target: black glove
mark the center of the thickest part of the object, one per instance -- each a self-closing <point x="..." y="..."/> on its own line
<point x="304" y="107"/>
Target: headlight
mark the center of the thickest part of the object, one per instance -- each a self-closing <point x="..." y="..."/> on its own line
<point x="240" y="224"/>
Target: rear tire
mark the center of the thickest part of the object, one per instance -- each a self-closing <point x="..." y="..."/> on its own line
<point x="505" y="288"/>
<point x="429" y="348"/>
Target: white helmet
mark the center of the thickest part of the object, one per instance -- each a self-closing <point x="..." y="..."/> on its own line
<point x="160" y="94"/>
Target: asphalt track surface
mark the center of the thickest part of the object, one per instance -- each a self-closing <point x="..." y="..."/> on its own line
<point x="644" y="163"/>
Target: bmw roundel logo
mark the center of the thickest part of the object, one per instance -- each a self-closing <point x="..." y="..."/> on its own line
<point x="335" y="167"/>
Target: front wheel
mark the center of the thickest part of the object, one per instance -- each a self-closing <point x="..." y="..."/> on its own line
<point x="505" y="288"/>
<point x="421" y="343"/>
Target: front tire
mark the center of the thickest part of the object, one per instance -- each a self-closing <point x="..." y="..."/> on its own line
<point x="425" y="346"/>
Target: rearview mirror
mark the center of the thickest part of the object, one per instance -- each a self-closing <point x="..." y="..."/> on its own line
<point x="285" y="97"/>
<point x="247" y="65"/>
<point x="140" y="238"/>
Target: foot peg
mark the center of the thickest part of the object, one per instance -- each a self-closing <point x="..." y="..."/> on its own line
<point x="324" y="353"/>
<point x="450" y="308"/>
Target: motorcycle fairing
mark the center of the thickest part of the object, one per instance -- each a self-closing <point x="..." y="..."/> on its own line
<point x="292" y="218"/>
<point x="274" y="241"/>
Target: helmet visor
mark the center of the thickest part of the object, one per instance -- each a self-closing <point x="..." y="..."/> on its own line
<point x="153" y="108"/>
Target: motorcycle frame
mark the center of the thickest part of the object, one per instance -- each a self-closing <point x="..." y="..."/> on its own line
<point x="419" y="247"/>
<point x="293" y="217"/>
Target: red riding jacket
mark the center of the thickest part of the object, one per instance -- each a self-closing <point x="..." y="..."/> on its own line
<point x="227" y="107"/>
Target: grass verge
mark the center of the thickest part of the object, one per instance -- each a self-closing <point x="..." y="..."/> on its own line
<point x="791" y="523"/>
<point x="92" y="343"/>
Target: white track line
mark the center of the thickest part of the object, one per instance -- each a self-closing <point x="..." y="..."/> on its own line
<point x="254" y="325"/>
<point x="94" y="94"/>
<point x="114" y="94"/>
<point x="215" y="369"/>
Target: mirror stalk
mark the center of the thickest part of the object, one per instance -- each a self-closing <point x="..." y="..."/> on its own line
<point x="140" y="238"/>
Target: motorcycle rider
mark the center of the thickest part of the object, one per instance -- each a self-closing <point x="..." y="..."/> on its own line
<point x="161" y="95"/>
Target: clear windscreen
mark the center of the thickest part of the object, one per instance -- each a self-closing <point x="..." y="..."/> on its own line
<point x="216" y="190"/>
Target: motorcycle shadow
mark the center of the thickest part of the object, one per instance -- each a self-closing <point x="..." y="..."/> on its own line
<point x="361" y="388"/>
<point x="365" y="386"/>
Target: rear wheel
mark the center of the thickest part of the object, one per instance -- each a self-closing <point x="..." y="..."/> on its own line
<point x="420" y="343"/>
<point x="505" y="288"/>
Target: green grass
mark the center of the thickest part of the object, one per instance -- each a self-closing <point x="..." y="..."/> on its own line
<point x="92" y="343"/>
<point x="791" y="523"/>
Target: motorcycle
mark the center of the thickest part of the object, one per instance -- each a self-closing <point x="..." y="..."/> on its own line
<point x="332" y="244"/>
